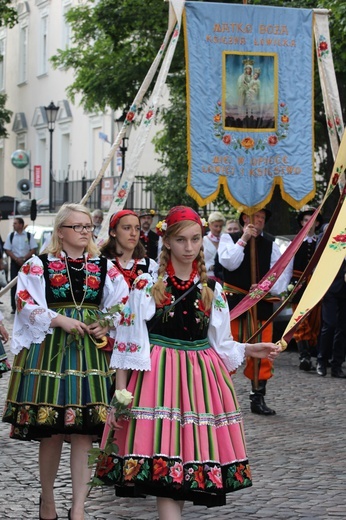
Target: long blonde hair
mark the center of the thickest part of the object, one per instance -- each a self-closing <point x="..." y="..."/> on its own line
<point x="158" y="290"/>
<point x="55" y="246"/>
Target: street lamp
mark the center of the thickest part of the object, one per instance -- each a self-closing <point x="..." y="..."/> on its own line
<point x="51" y="113"/>
<point x="123" y="148"/>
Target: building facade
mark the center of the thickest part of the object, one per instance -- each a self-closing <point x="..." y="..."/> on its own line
<point x="80" y="141"/>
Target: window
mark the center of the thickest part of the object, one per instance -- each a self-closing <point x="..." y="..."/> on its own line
<point x="66" y="28"/>
<point x="43" y="46"/>
<point x="23" y="54"/>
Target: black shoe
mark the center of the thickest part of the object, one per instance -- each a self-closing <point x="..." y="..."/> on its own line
<point x="258" y="404"/>
<point x="13" y="312"/>
<point x="321" y="370"/>
<point x="55" y="518"/>
<point x="69" y="514"/>
<point x="337" y="372"/>
<point x="305" y="364"/>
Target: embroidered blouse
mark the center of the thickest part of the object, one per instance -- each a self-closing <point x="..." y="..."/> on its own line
<point x="188" y="321"/>
<point x="43" y="281"/>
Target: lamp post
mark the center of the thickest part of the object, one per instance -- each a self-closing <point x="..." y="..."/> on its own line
<point x="123" y="147"/>
<point x="51" y="113"/>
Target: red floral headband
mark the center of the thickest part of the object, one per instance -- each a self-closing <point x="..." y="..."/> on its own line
<point x="178" y="214"/>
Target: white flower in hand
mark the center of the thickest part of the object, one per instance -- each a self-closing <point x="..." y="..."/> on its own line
<point x="123" y="397"/>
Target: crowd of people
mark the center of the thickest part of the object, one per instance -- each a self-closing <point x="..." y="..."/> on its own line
<point x="149" y="313"/>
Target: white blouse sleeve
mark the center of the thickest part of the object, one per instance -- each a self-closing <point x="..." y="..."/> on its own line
<point x="231" y="254"/>
<point x="115" y="295"/>
<point x="132" y="347"/>
<point x="220" y="338"/>
<point x="33" y="318"/>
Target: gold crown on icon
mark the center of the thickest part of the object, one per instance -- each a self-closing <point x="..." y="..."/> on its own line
<point x="248" y="62"/>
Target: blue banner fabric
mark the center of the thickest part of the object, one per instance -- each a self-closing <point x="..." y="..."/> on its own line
<point x="249" y="103"/>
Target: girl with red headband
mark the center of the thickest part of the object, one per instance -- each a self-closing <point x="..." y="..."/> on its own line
<point x="184" y="439"/>
<point x="124" y="248"/>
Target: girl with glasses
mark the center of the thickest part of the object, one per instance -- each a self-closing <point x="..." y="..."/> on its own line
<point x="67" y="300"/>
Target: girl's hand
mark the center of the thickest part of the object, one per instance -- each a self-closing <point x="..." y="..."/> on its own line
<point x="96" y="330"/>
<point x="4" y="335"/>
<point x="262" y="350"/>
<point x="114" y="423"/>
<point x="69" y="325"/>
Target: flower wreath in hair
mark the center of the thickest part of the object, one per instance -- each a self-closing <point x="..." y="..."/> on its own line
<point x="179" y="214"/>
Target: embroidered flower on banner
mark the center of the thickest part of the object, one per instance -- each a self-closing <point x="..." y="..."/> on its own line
<point x="339" y="241"/>
<point x="121" y="194"/>
<point x="263" y="287"/>
<point x="322" y="49"/>
<point x="248" y="143"/>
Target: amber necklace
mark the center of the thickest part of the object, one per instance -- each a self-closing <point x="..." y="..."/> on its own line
<point x="77" y="305"/>
<point x="183" y="285"/>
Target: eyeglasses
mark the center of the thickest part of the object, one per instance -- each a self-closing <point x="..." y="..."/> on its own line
<point x="79" y="228"/>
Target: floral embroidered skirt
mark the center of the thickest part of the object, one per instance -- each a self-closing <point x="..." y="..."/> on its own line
<point x="58" y="386"/>
<point x="185" y="439"/>
<point x="4" y="364"/>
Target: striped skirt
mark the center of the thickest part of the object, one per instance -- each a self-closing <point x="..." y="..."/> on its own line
<point x="185" y="439"/>
<point x="59" y="386"/>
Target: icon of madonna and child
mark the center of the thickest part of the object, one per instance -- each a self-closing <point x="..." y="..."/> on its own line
<point x="250" y="91"/>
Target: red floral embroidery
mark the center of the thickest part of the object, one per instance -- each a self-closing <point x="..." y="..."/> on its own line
<point x="93" y="282"/>
<point x="141" y="284"/>
<point x="57" y="280"/>
<point x="25" y="296"/>
<point x="215" y="476"/>
<point x="26" y="269"/>
<point x="160" y="468"/>
<point x="56" y="265"/>
<point x="199" y="477"/>
<point x="104" y="465"/>
<point x="92" y="268"/>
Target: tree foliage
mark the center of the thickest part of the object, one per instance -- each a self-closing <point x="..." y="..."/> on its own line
<point x="114" y="43"/>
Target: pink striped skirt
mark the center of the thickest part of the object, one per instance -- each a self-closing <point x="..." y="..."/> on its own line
<point x="185" y="439"/>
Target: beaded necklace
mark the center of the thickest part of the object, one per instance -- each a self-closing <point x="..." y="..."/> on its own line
<point x="183" y="285"/>
<point x="79" y="305"/>
<point x="129" y="274"/>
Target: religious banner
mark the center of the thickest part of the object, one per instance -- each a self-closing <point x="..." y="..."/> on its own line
<point x="250" y="103"/>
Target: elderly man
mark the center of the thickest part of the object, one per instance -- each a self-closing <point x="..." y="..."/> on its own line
<point x="235" y="258"/>
<point x="97" y="216"/>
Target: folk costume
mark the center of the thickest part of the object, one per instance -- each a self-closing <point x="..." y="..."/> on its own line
<point x="234" y="256"/>
<point x="59" y="381"/>
<point x="4" y="364"/>
<point x="185" y="439"/>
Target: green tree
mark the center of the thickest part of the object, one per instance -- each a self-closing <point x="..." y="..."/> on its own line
<point x="112" y="48"/>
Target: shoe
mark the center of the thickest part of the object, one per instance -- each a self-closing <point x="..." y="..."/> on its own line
<point x="13" y="312"/>
<point x="69" y="514"/>
<point x="305" y="364"/>
<point x="258" y="404"/>
<point x="337" y="372"/>
<point x="40" y="517"/>
<point x="321" y="370"/>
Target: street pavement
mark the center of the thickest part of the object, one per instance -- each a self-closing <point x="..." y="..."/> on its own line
<point x="297" y="457"/>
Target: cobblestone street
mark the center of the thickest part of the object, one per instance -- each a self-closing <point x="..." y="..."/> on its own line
<point x="297" y="457"/>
